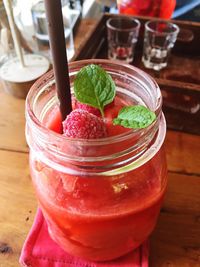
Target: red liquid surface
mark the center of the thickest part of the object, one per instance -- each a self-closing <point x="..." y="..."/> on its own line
<point x="153" y="8"/>
<point x="54" y="120"/>
<point x="100" y="217"/>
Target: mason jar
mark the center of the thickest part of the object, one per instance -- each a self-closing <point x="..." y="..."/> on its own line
<point x="100" y="197"/>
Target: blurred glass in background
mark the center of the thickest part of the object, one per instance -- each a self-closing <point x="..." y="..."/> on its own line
<point x="31" y="21"/>
<point x="152" y="8"/>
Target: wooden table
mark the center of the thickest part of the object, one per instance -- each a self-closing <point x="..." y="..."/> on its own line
<point x="176" y="239"/>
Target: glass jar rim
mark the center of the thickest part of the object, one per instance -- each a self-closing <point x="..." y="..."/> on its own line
<point x="93" y="142"/>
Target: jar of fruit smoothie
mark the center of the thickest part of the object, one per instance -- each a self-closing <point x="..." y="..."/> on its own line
<point x="152" y="8"/>
<point x="100" y="197"/>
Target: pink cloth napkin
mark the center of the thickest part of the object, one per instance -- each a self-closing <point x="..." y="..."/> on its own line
<point x="40" y="250"/>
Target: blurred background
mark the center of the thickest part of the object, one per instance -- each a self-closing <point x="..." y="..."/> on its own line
<point x="31" y="22"/>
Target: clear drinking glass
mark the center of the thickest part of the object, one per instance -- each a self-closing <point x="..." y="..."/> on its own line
<point x="31" y="21"/>
<point x="122" y="36"/>
<point x="100" y="197"/>
<point x="159" y="39"/>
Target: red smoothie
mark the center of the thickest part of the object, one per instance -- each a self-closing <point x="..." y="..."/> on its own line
<point x="153" y="8"/>
<point x="100" y="197"/>
<point x="100" y="217"/>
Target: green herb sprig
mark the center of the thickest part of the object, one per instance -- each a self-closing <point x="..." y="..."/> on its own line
<point x="94" y="86"/>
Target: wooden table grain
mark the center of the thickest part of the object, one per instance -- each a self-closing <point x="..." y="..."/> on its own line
<point x="176" y="240"/>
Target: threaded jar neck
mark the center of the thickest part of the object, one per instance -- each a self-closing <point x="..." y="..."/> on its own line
<point x="107" y="153"/>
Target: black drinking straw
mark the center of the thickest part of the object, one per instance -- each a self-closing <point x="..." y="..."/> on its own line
<point x="59" y="55"/>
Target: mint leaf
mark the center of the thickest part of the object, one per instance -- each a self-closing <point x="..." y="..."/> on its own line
<point x="136" y="117"/>
<point x="94" y="86"/>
